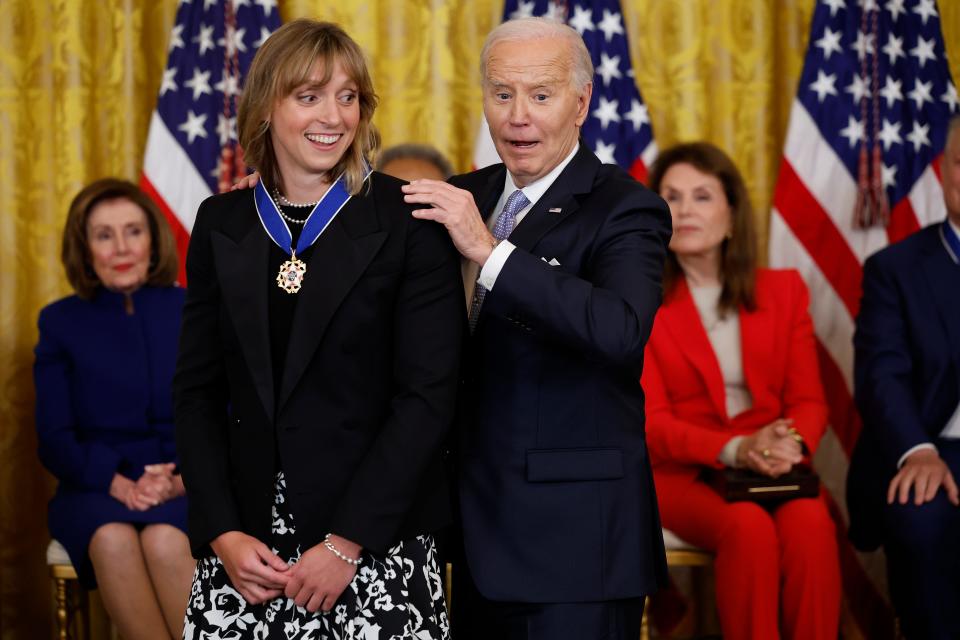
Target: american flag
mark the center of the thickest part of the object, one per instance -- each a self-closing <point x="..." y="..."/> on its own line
<point x="617" y="127"/>
<point x="191" y="150"/>
<point x="860" y="170"/>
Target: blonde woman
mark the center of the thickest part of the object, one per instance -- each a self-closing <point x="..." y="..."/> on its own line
<point x="317" y="370"/>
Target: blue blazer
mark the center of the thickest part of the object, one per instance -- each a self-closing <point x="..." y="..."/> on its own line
<point x="103" y="407"/>
<point x="556" y="492"/>
<point x="906" y="368"/>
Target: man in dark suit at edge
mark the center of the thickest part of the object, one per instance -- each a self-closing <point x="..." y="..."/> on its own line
<point x="563" y="261"/>
<point x="901" y="488"/>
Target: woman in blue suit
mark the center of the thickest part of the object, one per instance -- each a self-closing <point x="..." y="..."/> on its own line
<point x="104" y="366"/>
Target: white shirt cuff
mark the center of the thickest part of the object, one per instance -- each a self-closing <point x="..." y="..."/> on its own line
<point x="493" y="265"/>
<point x="925" y="445"/>
<point x="728" y="455"/>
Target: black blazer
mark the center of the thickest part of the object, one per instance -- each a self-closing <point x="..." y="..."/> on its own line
<point x="556" y="491"/>
<point x="368" y="387"/>
<point x="906" y="367"/>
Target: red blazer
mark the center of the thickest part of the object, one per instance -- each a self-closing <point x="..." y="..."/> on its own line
<point x="687" y="422"/>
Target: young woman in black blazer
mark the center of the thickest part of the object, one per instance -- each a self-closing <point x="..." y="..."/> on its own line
<point x="317" y="369"/>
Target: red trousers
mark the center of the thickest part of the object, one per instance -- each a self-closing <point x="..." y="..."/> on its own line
<point x="777" y="570"/>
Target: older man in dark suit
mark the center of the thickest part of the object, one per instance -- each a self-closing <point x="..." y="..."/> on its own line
<point x="563" y="260"/>
<point x="907" y="384"/>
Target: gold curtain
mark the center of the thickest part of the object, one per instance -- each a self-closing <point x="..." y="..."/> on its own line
<point x="79" y="80"/>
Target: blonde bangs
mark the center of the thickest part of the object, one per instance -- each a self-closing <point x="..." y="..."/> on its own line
<point x="299" y="69"/>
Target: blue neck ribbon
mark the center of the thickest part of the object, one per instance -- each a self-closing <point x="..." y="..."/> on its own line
<point x="317" y="222"/>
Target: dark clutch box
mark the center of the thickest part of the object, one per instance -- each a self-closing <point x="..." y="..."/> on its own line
<point x="736" y="485"/>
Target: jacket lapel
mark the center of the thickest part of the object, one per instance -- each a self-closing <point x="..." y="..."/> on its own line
<point x="240" y="271"/>
<point x="340" y="256"/>
<point x="681" y="319"/>
<point x="576" y="179"/>
<point x="942" y="278"/>
<point x="755" y="353"/>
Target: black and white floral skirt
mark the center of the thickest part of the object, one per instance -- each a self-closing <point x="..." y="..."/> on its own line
<point x="392" y="597"/>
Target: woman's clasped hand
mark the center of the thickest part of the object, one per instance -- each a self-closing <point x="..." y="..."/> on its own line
<point x="772" y="450"/>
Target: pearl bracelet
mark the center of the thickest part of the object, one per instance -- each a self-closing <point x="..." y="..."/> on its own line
<point x="338" y="553"/>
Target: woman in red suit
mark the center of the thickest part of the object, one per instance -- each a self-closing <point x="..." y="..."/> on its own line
<point x="731" y="380"/>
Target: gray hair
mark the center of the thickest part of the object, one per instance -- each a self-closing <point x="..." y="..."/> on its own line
<point x="423" y="152"/>
<point x="541" y="28"/>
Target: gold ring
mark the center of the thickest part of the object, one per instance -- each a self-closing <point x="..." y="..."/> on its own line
<point x="765" y="453"/>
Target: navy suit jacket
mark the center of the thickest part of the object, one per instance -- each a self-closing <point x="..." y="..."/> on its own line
<point x="104" y="407"/>
<point x="907" y="367"/>
<point x="556" y="492"/>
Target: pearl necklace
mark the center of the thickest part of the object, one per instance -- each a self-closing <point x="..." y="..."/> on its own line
<point x="280" y="199"/>
<point x="283" y="200"/>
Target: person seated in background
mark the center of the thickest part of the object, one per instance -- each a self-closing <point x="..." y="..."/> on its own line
<point x="103" y="373"/>
<point x="731" y="380"/>
<point x="901" y="486"/>
<point x="414" y="161"/>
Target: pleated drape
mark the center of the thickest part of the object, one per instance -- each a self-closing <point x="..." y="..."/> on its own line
<point x="79" y="79"/>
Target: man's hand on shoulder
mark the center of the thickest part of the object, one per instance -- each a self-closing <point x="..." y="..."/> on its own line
<point x="924" y="471"/>
<point x="246" y="182"/>
<point x="455" y="209"/>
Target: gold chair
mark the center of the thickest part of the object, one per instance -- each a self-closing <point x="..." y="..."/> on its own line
<point x="71" y="600"/>
<point x="679" y="554"/>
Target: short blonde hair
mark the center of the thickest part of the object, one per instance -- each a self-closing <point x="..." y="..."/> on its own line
<point x="75" y="250"/>
<point x="283" y="63"/>
<point x="581" y="72"/>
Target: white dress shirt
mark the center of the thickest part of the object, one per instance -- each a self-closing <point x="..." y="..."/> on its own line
<point x="533" y="192"/>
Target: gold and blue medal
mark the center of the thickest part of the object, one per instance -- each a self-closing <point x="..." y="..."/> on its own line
<point x="290" y="278"/>
<point x="291" y="275"/>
